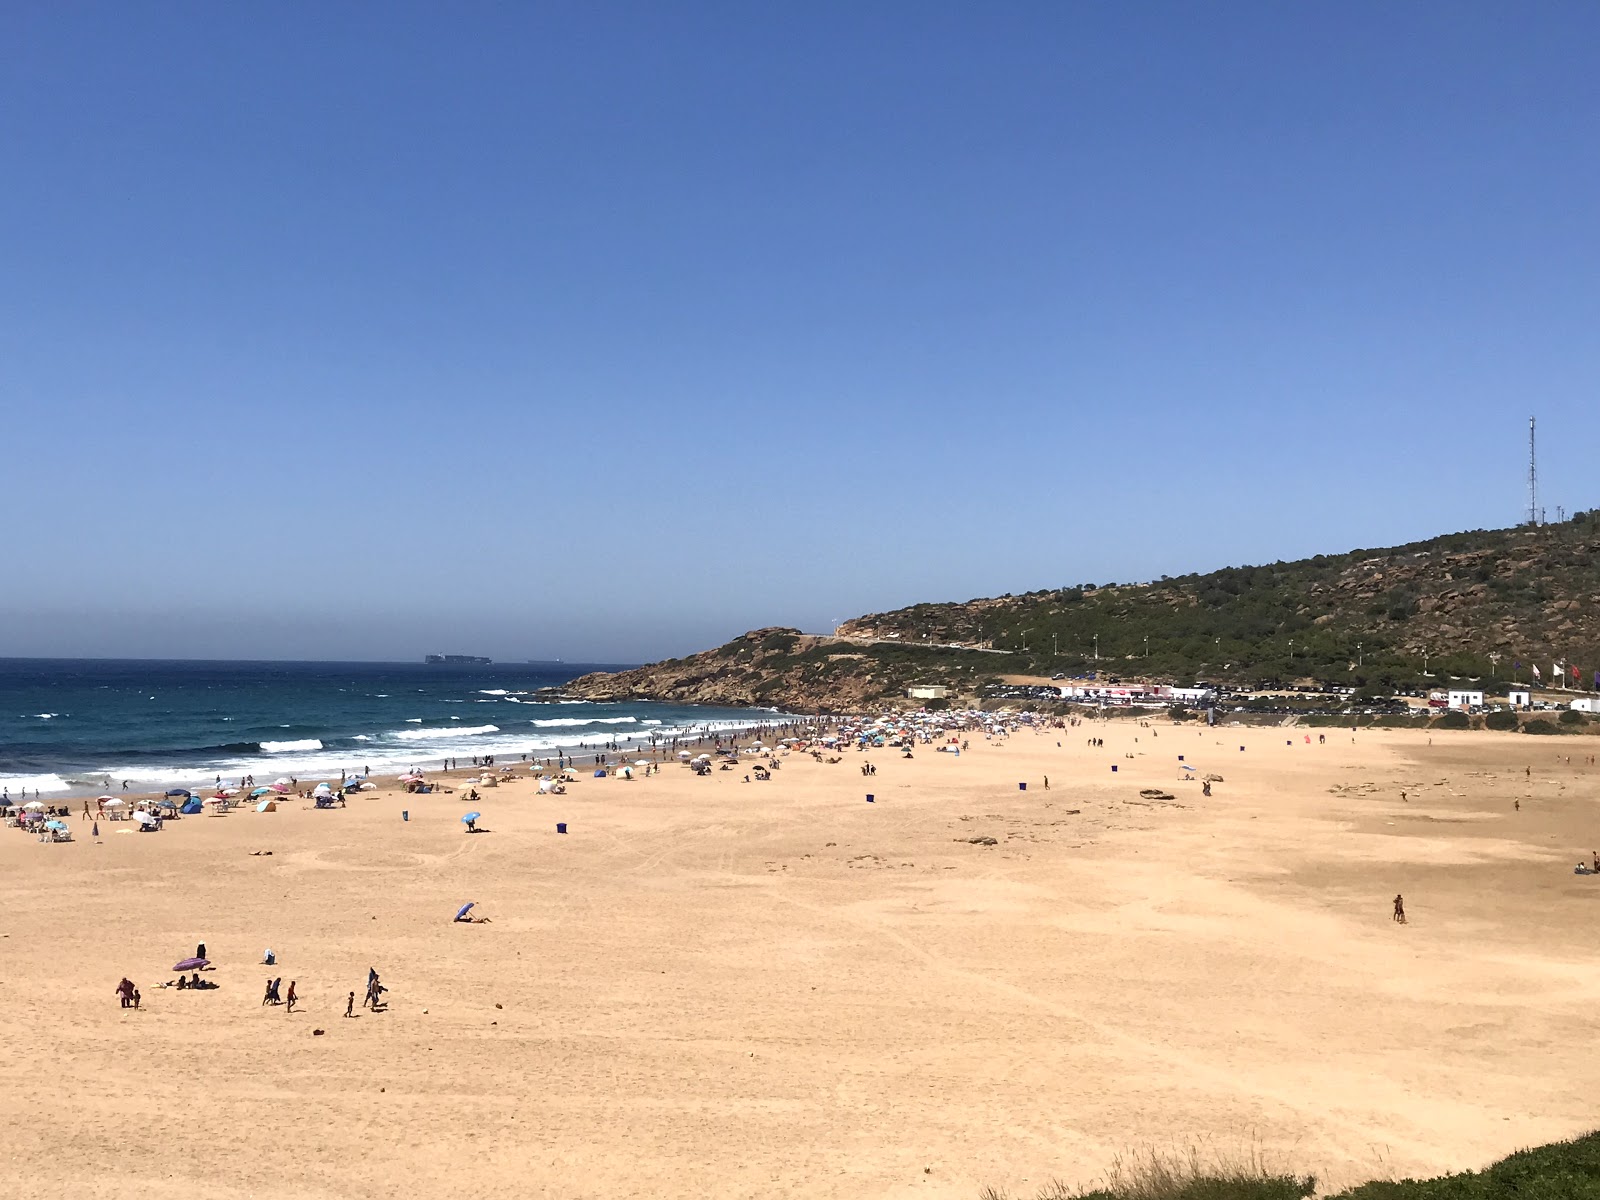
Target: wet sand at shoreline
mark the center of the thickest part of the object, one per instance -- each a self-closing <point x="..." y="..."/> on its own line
<point x="717" y="988"/>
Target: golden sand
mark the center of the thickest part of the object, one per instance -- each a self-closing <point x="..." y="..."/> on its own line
<point x="710" y="988"/>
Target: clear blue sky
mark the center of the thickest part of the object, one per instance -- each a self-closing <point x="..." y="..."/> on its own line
<point x="609" y="331"/>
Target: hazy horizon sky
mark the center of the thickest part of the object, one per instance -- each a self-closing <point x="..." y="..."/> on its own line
<point x="609" y="331"/>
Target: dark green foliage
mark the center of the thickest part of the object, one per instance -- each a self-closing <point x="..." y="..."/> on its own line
<point x="1541" y="727"/>
<point x="1453" y="720"/>
<point x="1500" y="719"/>
<point x="1363" y="617"/>
<point x="1573" y="717"/>
<point x="1179" y="713"/>
<point x="1559" y="1171"/>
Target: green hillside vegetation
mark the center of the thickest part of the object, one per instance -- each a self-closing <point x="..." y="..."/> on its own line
<point x="1559" y="1171"/>
<point x="1463" y="606"/>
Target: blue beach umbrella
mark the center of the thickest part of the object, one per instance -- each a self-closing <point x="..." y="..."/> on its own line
<point x="55" y="824"/>
<point x="461" y="913"/>
<point x="261" y="791"/>
<point x="178" y="792"/>
<point x="470" y="817"/>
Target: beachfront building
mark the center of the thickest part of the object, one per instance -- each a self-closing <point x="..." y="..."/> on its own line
<point x="1519" y="698"/>
<point x="1147" y="695"/>
<point x="1588" y="704"/>
<point x="927" y="692"/>
<point x="1465" y="699"/>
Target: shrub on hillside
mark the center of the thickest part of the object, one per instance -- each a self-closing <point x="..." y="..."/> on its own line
<point x="1541" y="727"/>
<point x="1453" y="720"/>
<point x="1179" y="713"/>
<point x="1501" y="719"/>
<point x="1559" y="1171"/>
<point x="1573" y="717"/>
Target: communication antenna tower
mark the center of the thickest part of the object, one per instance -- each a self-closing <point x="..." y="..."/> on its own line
<point x="1533" y="478"/>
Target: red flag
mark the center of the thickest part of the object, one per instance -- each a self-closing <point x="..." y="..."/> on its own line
<point x="1576" y="674"/>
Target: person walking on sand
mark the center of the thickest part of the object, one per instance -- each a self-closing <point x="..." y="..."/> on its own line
<point x="267" y="998"/>
<point x="291" y="997"/>
<point x="125" y="991"/>
<point x="1399" y="908"/>
<point x="350" y="1005"/>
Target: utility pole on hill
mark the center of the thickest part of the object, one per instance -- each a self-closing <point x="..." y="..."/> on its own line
<point x="1533" y="478"/>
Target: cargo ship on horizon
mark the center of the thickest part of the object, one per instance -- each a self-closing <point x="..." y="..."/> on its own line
<point x="456" y="660"/>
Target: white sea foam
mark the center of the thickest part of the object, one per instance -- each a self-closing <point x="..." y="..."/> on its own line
<point x="419" y="735"/>
<point x="567" y="722"/>
<point x="361" y="737"/>
<point x="46" y="716"/>
<point x="280" y="747"/>
<point x="494" y="692"/>
<point x="34" y="783"/>
<point x="413" y="720"/>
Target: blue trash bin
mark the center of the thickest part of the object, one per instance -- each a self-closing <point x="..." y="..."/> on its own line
<point x="1022" y="787"/>
<point x="871" y="799"/>
<point x="405" y="814"/>
<point x="561" y="826"/>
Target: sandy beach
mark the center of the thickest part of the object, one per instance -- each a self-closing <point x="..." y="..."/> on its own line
<point x="717" y="988"/>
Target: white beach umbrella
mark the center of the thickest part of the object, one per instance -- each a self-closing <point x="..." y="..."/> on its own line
<point x="34" y="804"/>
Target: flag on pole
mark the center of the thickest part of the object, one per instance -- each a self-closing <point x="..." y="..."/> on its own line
<point x="1577" y="674"/>
<point x="1536" y="670"/>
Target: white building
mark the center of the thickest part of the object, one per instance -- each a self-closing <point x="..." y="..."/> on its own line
<point x="927" y="692"/>
<point x="1466" y="699"/>
<point x="1588" y="704"/>
<point x="1519" y="698"/>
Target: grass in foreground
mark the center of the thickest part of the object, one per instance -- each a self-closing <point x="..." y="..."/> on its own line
<point x="1558" y="1171"/>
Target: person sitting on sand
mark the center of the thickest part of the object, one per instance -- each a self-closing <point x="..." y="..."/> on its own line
<point x="183" y="983"/>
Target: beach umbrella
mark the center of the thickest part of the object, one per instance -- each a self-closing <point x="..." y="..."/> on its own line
<point x="103" y="799"/>
<point x="280" y="788"/>
<point x="116" y="804"/>
<point x="684" y="754"/>
<point x="144" y="818"/>
<point x="191" y="964"/>
<point x="55" y="825"/>
<point x="642" y="762"/>
<point x="34" y="804"/>
<point x="461" y="913"/>
<point x="471" y="816"/>
<point x="166" y="804"/>
<point x="178" y="792"/>
<point x="284" y="781"/>
<point x="261" y="791"/>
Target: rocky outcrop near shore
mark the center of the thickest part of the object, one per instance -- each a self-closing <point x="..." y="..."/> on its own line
<point x="779" y="668"/>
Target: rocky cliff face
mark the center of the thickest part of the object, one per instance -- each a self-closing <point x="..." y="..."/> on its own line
<point x="774" y="667"/>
